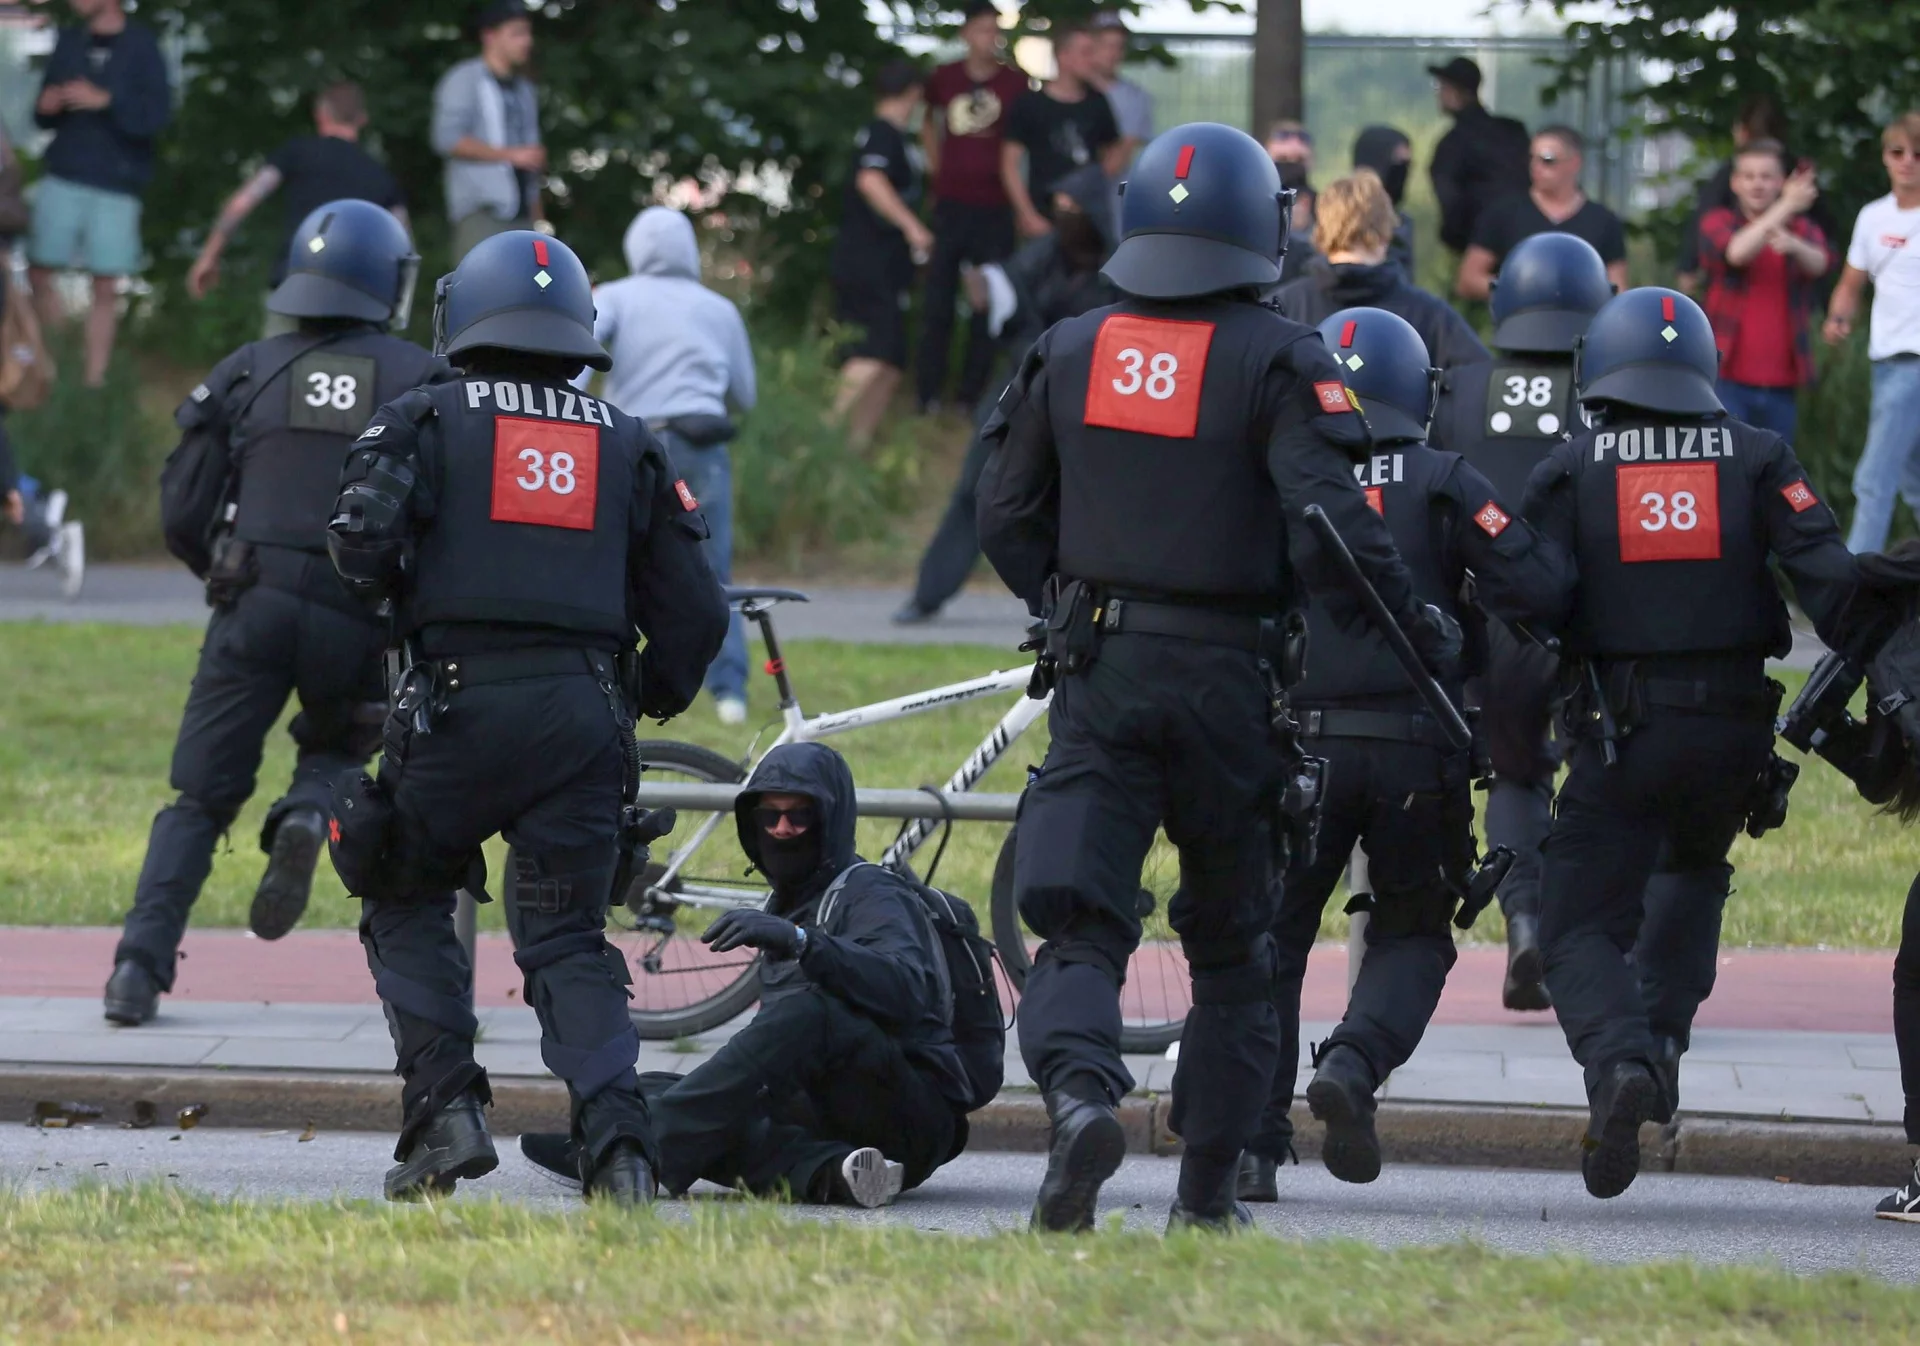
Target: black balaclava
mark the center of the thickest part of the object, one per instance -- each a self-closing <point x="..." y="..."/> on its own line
<point x="787" y="861"/>
<point x="1293" y="175"/>
<point x="1378" y="148"/>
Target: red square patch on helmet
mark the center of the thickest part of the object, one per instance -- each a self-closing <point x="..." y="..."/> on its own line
<point x="1147" y="375"/>
<point x="1333" y="396"/>
<point x="1492" y="519"/>
<point x="687" y="502"/>
<point x="545" y="473"/>
<point x="1800" y="496"/>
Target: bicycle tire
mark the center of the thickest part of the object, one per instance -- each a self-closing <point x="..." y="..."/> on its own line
<point x="739" y="995"/>
<point x="1143" y="1038"/>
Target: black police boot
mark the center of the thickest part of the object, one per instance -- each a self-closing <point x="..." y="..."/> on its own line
<point x="454" y="1144"/>
<point x="1666" y="1069"/>
<point x="1341" y="1095"/>
<point x="1610" y="1158"/>
<point x="1260" y="1176"/>
<point x="1525" y="987"/>
<point x="1088" y="1145"/>
<point x="554" y="1153"/>
<point x="282" y="895"/>
<point x="133" y="995"/>
<point x="623" y="1177"/>
<point x="1205" y="1197"/>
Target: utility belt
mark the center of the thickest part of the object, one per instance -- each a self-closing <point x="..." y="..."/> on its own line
<point x="701" y="430"/>
<point x="1391" y="726"/>
<point x="1608" y="699"/>
<point x="237" y="565"/>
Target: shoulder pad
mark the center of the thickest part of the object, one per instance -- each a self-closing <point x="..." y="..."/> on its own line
<point x="1328" y="405"/>
<point x="208" y="400"/>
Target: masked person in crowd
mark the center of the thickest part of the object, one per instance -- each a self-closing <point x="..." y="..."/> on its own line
<point x="1389" y="154"/>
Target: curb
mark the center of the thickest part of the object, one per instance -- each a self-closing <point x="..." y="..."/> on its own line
<point x="1444" y="1134"/>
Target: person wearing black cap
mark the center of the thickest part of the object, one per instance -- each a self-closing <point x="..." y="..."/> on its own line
<point x="263" y="436"/>
<point x="1676" y="515"/>
<point x="515" y="534"/>
<point x="1481" y="157"/>
<point x="1396" y="786"/>
<point x="1147" y="469"/>
<point x="486" y="125"/>
<point x="1505" y="417"/>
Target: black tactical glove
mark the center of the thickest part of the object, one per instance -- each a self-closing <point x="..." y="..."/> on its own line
<point x="777" y="938"/>
<point x="1437" y="639"/>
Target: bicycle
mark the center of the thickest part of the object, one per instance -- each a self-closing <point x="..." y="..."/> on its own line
<point x="681" y="988"/>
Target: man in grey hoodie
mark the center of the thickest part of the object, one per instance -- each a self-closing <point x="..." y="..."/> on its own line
<point x="681" y="361"/>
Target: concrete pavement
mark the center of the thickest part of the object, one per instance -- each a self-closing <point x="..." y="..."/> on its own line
<point x="1801" y="1229"/>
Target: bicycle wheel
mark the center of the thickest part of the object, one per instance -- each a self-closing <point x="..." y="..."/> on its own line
<point x="681" y="987"/>
<point x="1158" y="993"/>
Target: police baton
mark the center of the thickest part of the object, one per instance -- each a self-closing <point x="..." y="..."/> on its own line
<point x="1451" y="721"/>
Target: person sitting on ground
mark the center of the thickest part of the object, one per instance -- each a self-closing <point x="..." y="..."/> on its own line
<point x="1354" y="231"/>
<point x="846" y="1088"/>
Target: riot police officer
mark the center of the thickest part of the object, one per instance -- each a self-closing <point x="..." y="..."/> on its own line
<point x="264" y="437"/>
<point x="1504" y="417"/>
<point x="1672" y="510"/>
<point x="1395" y="783"/>
<point x="1145" y="464"/>
<point x="519" y="532"/>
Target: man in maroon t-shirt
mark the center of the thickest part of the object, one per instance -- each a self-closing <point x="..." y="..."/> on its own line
<point x="1762" y="257"/>
<point x="967" y="106"/>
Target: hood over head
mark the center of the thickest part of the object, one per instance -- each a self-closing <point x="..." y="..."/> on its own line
<point x="660" y="242"/>
<point x="1092" y="190"/>
<point x="1380" y="148"/>
<point x="813" y="770"/>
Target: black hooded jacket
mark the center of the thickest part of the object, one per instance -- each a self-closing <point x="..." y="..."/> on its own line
<point x="877" y="951"/>
<point x="1327" y="288"/>
<point x="1380" y="148"/>
<point x="1048" y="283"/>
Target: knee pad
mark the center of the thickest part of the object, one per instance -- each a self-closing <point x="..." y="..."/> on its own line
<point x="1231" y="972"/>
<point x="1093" y="942"/>
<point x="219" y="816"/>
<point x="353" y="730"/>
<point x="450" y="1013"/>
<point x="1405" y="915"/>
<point x="589" y="1070"/>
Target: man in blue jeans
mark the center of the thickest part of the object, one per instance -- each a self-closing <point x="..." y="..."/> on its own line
<point x="1886" y="247"/>
<point x="681" y="362"/>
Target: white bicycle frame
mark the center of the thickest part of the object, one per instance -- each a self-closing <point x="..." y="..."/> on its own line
<point x="799" y="729"/>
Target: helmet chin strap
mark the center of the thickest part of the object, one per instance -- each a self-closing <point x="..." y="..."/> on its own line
<point x="440" y="289"/>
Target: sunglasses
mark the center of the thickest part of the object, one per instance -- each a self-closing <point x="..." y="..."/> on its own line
<point x="766" y="817"/>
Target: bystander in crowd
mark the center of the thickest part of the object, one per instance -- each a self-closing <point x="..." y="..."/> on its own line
<point x="1886" y="250"/>
<point x="1481" y="159"/>
<point x="1065" y="124"/>
<point x="1132" y="105"/>
<point x="968" y="103"/>
<point x="1290" y="146"/>
<point x="486" y="125"/>
<point x="1553" y="202"/>
<point x="880" y="240"/>
<point x="106" y="99"/>
<point x="329" y="165"/>
<point x="1762" y="257"/>
<point x="682" y="363"/>
<point x="1354" y="269"/>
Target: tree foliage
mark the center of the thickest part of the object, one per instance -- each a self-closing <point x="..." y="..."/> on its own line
<point x="1838" y="69"/>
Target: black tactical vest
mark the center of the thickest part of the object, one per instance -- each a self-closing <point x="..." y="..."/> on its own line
<point x="1504" y="417"/>
<point x="1670" y="543"/>
<point x="318" y="393"/>
<point x="1164" y="486"/>
<point x="1401" y="483"/>
<point x="533" y="489"/>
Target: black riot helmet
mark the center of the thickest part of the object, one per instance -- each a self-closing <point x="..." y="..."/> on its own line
<point x="1651" y="349"/>
<point x="1202" y="212"/>
<point x="1385" y="364"/>
<point x="349" y="259"/>
<point x="1548" y="290"/>
<point x="518" y="291"/>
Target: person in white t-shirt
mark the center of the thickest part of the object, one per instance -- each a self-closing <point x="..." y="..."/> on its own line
<point x="1886" y="247"/>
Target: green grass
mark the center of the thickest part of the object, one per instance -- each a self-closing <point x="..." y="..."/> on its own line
<point x="153" y="1265"/>
<point x="89" y="714"/>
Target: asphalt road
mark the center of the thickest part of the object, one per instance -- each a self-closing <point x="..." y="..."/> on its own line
<point x="1802" y="1229"/>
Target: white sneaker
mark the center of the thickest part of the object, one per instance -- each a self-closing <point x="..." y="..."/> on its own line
<point x="70" y="558"/>
<point x="51" y="515"/>
<point x="730" y="709"/>
<point x="872" y="1180"/>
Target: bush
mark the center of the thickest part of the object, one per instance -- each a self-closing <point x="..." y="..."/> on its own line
<point x="797" y="486"/>
<point x="100" y="447"/>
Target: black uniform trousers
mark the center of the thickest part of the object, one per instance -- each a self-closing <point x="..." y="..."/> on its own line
<point x="1159" y="730"/>
<point x="1636" y="879"/>
<point x="539" y="760"/>
<point x="1408" y="805"/>
<point x="1906" y="1009"/>
<point x="954" y="548"/>
<point x="962" y="234"/>
<point x="268" y="644"/>
<point x="804" y="1084"/>
<point x="1515" y="696"/>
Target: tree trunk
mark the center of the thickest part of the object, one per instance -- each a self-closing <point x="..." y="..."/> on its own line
<point x="1279" y="48"/>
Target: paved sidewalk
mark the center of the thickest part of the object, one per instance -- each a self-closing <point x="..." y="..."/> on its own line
<point x="1800" y="1035"/>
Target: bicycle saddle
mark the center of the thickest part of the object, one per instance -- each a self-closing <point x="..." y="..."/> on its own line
<point x="747" y="593"/>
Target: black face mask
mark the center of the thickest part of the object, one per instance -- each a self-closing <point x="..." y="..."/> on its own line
<point x="1079" y="240"/>
<point x="1293" y="175"/>
<point x="790" y="860"/>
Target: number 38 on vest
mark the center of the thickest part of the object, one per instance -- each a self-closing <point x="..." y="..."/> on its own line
<point x="1147" y="375"/>
<point x="544" y="473"/>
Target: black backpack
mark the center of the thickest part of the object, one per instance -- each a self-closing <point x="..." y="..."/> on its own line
<point x="979" y="1029"/>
